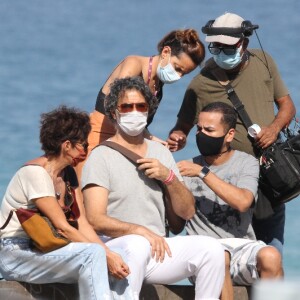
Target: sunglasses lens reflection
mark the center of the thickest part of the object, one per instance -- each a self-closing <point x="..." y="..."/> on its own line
<point x="128" y="107"/>
<point x="228" y="50"/>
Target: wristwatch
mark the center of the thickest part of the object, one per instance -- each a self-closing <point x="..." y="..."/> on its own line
<point x="204" y="171"/>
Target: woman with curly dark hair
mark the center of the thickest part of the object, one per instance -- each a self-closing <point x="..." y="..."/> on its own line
<point x="179" y="53"/>
<point x="47" y="183"/>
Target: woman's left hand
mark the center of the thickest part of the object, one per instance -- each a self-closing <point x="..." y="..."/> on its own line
<point x="156" y="139"/>
<point x="116" y="265"/>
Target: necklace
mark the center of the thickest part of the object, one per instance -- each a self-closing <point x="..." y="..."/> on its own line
<point x="156" y="87"/>
<point x="57" y="181"/>
<point x="58" y="186"/>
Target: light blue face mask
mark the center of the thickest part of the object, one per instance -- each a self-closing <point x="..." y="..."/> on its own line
<point x="228" y="62"/>
<point x="167" y="74"/>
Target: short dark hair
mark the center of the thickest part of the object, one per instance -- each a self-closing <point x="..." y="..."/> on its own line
<point x="229" y="114"/>
<point x="60" y="125"/>
<point x="118" y="89"/>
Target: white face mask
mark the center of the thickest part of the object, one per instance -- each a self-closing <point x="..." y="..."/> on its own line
<point x="132" y="123"/>
<point x="167" y="74"/>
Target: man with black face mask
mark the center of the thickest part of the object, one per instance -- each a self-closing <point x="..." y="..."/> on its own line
<point x="255" y="78"/>
<point x="224" y="184"/>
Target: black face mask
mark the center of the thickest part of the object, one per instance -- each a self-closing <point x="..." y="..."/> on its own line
<point x="208" y="145"/>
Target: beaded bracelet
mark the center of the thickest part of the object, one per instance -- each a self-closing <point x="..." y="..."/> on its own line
<point x="170" y="177"/>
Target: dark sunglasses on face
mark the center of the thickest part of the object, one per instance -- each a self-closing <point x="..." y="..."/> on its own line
<point x="227" y="49"/>
<point x="128" y="107"/>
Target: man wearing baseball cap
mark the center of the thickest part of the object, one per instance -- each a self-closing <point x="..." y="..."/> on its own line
<point x="255" y="78"/>
<point x="227" y="20"/>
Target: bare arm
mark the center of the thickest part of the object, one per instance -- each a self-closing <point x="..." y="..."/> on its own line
<point x="96" y="200"/>
<point x="175" y="223"/>
<point x="51" y="209"/>
<point x="286" y="112"/>
<point x="178" y="135"/>
<point x="116" y="265"/>
<point x="238" y="198"/>
<point x="85" y="233"/>
<point x="130" y="66"/>
<point x="180" y="197"/>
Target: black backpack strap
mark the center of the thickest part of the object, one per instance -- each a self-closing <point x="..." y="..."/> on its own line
<point x="238" y="106"/>
<point x="222" y="78"/>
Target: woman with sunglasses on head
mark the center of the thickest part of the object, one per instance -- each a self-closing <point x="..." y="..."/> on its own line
<point x="179" y="53"/>
<point x="47" y="183"/>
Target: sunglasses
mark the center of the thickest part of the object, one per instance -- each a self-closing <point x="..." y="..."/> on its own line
<point x="227" y="49"/>
<point x="128" y="107"/>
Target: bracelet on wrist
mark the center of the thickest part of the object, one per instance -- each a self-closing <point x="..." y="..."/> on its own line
<point x="170" y="178"/>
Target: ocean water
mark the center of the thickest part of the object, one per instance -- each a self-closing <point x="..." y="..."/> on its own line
<point x="60" y="52"/>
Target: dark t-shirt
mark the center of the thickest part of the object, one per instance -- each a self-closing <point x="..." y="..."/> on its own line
<point x="257" y="86"/>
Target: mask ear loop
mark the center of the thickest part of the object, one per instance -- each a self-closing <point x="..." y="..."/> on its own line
<point x="243" y="47"/>
<point x="163" y="58"/>
<point x="240" y="48"/>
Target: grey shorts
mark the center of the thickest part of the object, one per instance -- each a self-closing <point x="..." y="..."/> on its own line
<point x="243" y="259"/>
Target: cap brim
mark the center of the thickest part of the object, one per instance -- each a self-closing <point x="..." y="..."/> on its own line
<point x="222" y="39"/>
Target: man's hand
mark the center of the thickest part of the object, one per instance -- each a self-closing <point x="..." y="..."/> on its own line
<point x="158" y="244"/>
<point x="188" y="168"/>
<point x="267" y="136"/>
<point x="176" y="141"/>
<point x="178" y="135"/>
<point x="153" y="168"/>
<point x="116" y="265"/>
<point x="286" y="112"/>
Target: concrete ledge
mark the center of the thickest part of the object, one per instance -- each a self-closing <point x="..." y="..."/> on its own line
<point x="12" y="290"/>
<point x="182" y="292"/>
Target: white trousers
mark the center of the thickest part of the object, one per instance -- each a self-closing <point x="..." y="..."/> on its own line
<point x="194" y="256"/>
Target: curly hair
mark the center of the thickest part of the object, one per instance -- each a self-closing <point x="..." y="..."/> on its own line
<point x="184" y="41"/>
<point x="60" y="125"/>
<point x="229" y="114"/>
<point x="118" y="88"/>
